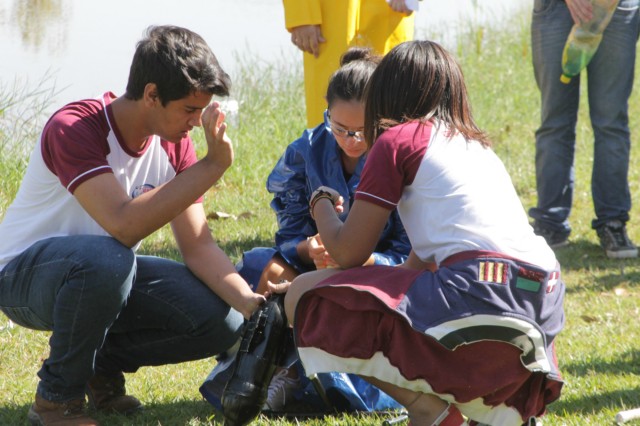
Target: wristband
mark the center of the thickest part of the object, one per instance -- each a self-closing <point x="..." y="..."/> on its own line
<point x="318" y="193"/>
<point x="317" y="196"/>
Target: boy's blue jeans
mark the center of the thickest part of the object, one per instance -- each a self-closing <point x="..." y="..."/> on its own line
<point x="110" y="310"/>
<point x="609" y="83"/>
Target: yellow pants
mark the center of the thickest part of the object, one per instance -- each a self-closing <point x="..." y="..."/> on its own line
<point x="343" y="23"/>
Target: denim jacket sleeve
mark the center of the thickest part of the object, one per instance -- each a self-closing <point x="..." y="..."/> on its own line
<point x="289" y="184"/>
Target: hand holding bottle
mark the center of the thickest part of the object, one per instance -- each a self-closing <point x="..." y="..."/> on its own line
<point x="581" y="10"/>
<point x="586" y="34"/>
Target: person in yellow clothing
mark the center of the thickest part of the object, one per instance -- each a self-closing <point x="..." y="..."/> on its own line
<point x="325" y="29"/>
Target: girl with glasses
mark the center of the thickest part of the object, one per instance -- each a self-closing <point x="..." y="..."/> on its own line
<point x="333" y="153"/>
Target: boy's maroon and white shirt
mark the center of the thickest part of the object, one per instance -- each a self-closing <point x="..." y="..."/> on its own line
<point x="81" y="141"/>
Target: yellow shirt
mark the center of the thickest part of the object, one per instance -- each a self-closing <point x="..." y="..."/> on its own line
<point x="343" y="23"/>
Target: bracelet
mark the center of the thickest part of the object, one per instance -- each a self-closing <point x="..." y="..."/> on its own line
<point x="315" y="200"/>
<point x="320" y="192"/>
<point x="319" y="195"/>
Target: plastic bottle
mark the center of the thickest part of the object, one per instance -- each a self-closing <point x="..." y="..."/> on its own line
<point x="584" y="39"/>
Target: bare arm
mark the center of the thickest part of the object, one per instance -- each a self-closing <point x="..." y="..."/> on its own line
<point x="209" y="263"/>
<point x="130" y="220"/>
<point x="321" y="258"/>
<point x="352" y="242"/>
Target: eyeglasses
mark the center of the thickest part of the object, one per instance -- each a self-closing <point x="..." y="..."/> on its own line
<point x="343" y="133"/>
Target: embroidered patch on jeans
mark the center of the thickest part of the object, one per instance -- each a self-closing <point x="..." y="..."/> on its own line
<point x="492" y="272"/>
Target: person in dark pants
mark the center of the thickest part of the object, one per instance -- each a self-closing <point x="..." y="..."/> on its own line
<point x="105" y="174"/>
<point x="610" y="83"/>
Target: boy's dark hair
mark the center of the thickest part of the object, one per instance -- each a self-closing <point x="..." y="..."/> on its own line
<point x="349" y="81"/>
<point x="179" y="62"/>
<point x="419" y="80"/>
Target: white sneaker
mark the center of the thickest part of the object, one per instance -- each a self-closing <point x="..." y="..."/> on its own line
<point x="280" y="390"/>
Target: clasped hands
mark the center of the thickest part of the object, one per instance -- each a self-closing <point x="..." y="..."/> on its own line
<point x="320" y="256"/>
<point x="317" y="253"/>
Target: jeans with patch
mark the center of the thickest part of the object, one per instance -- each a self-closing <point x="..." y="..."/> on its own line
<point x="609" y="83"/>
<point x="110" y="310"/>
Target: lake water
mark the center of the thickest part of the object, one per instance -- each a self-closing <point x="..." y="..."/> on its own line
<point x="84" y="47"/>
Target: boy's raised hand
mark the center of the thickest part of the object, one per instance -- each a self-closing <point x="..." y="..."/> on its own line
<point x="220" y="149"/>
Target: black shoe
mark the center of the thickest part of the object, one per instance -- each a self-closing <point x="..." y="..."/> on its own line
<point x="615" y="242"/>
<point x="261" y="347"/>
<point x="555" y="239"/>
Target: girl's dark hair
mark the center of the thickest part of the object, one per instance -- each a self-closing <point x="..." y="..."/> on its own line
<point x="349" y="81"/>
<point x="179" y="62"/>
<point x="419" y="80"/>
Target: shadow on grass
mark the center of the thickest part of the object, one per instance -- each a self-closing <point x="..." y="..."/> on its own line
<point x="187" y="412"/>
<point x="155" y="414"/>
<point x="11" y="414"/>
<point x="602" y="274"/>
<point x="592" y="403"/>
<point x="593" y="400"/>
<point x="626" y="363"/>
<point x="192" y="413"/>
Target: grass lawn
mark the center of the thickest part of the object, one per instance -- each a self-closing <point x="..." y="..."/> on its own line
<point x="599" y="349"/>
